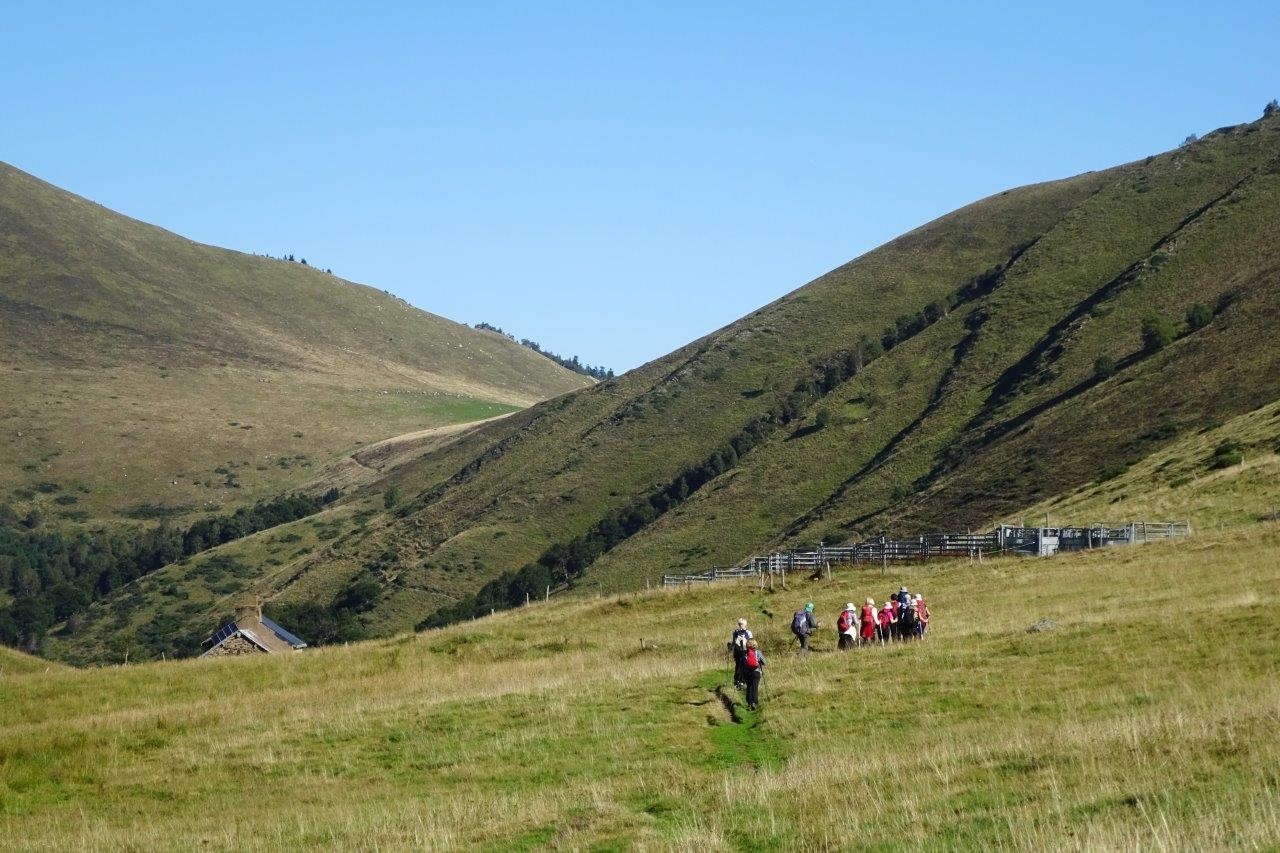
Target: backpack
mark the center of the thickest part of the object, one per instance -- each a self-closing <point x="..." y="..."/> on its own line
<point x="845" y="621"/>
<point x="800" y="622"/>
<point x="908" y="618"/>
<point x="753" y="659"/>
<point x="740" y="636"/>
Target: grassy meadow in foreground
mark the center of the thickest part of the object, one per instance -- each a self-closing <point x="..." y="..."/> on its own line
<point x="1149" y="717"/>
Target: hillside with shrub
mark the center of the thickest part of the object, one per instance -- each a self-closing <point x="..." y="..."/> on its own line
<point x="145" y="376"/>
<point x="1022" y="349"/>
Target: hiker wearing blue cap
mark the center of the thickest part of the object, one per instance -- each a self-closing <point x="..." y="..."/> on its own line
<point x="802" y="625"/>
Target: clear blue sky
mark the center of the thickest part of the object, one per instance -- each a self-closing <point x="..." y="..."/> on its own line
<point x="610" y="181"/>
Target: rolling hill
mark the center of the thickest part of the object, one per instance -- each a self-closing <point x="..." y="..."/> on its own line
<point x="145" y="375"/>
<point x="1034" y="349"/>
<point x="13" y="662"/>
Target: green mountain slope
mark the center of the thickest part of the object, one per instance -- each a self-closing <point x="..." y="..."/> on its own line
<point x="990" y="407"/>
<point x="1145" y="717"/>
<point x="789" y="426"/>
<point x="1224" y="477"/>
<point x="146" y="374"/>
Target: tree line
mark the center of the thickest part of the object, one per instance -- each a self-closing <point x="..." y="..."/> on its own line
<point x="338" y="622"/>
<point x="52" y="575"/>
<point x="573" y="363"/>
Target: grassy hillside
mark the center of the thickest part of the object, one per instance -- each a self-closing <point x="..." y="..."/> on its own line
<point x="145" y="375"/>
<point x="13" y="662"/>
<point x="1145" y="717"/>
<point x="1223" y="476"/>
<point x="987" y="402"/>
<point x="984" y="363"/>
<point x="546" y="475"/>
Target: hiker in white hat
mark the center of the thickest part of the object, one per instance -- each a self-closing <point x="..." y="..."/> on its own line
<point x="867" y="621"/>
<point x="885" y="628"/>
<point x="846" y="630"/>
<point x="738" y="648"/>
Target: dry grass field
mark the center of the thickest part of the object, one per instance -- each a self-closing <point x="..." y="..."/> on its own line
<point x="1149" y="717"/>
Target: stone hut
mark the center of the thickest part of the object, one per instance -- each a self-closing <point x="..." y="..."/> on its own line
<point x="251" y="634"/>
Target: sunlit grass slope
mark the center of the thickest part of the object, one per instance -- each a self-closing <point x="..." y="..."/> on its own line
<point x="1191" y="478"/>
<point x="143" y="370"/>
<point x="994" y="405"/>
<point x="14" y="662"/>
<point x="1147" y="718"/>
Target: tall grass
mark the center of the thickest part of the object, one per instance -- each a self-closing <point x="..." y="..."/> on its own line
<point x="1149" y="717"/>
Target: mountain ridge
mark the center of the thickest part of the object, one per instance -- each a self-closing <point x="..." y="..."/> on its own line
<point x="172" y="349"/>
<point x="941" y="381"/>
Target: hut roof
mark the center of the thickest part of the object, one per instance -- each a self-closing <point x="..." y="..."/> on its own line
<point x="257" y="629"/>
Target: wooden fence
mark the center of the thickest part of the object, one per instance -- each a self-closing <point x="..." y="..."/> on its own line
<point x="1031" y="541"/>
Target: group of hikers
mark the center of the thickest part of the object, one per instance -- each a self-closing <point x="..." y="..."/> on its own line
<point x="903" y="617"/>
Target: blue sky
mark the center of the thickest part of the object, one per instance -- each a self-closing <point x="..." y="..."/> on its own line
<point x="612" y="181"/>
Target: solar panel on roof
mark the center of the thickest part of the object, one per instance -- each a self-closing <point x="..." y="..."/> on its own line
<point x="222" y="633"/>
<point x="283" y="634"/>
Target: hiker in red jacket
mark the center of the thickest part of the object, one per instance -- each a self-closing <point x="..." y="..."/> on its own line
<point x="754" y="661"/>
<point x="885" y="628"/>
<point x="868" y="621"/>
<point x="845" y="631"/>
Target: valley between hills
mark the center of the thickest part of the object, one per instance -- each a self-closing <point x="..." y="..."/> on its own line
<point x="1082" y="347"/>
<point x="187" y="429"/>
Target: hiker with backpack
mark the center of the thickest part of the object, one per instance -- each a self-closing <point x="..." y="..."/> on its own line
<point x="738" y="647"/>
<point x="868" y="621"/>
<point x="896" y="622"/>
<point x="845" y="631"/>
<point x="909" y="621"/>
<point x="922" y="615"/>
<point x="804" y="624"/>
<point x="753" y="660"/>
<point x="884" y="630"/>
